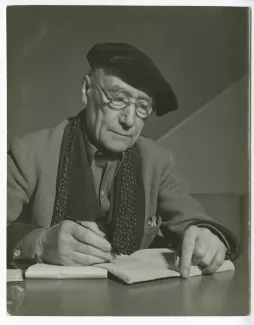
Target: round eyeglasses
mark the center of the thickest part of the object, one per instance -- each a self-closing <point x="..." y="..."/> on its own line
<point x="119" y="101"/>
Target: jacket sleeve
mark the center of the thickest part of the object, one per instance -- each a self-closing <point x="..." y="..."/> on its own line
<point x="179" y="211"/>
<point x="22" y="235"/>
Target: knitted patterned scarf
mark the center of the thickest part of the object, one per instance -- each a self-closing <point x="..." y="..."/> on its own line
<point x="76" y="198"/>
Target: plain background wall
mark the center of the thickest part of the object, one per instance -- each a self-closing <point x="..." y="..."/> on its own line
<point x="211" y="149"/>
<point x="200" y="50"/>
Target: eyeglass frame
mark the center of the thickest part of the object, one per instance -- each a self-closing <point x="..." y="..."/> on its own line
<point x="110" y="99"/>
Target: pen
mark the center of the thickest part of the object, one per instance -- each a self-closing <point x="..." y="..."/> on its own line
<point x="80" y="223"/>
<point x="75" y="220"/>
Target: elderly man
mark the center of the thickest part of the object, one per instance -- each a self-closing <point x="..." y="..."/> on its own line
<point x="93" y="187"/>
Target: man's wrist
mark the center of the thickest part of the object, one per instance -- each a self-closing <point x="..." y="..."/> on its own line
<point x="30" y="248"/>
<point x="38" y="249"/>
<point x="219" y="234"/>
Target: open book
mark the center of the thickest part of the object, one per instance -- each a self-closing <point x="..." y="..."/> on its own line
<point x="143" y="265"/>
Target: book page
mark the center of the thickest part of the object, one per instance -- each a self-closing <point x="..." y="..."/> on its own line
<point x="131" y="270"/>
<point x="161" y="256"/>
<point x="48" y="271"/>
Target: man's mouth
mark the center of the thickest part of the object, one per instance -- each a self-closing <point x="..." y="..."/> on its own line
<point x="122" y="134"/>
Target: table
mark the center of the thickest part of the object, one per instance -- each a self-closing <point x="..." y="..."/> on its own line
<point x="223" y="294"/>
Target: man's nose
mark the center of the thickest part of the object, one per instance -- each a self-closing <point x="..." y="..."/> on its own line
<point x="127" y="117"/>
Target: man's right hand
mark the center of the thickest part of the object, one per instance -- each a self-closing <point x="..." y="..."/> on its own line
<point x="69" y="243"/>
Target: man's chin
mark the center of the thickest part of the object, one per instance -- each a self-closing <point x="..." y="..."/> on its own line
<point x="117" y="146"/>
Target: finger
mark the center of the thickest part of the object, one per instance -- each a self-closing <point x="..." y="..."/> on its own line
<point x="198" y="253"/>
<point x="83" y="259"/>
<point x="87" y="236"/>
<point x="188" y="246"/>
<point x="93" y="251"/>
<point x="216" y="263"/>
<point x="206" y="261"/>
<point x="93" y="227"/>
<point x="203" y="252"/>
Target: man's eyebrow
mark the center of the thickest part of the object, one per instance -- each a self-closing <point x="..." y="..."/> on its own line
<point x="127" y="92"/>
<point x="117" y="87"/>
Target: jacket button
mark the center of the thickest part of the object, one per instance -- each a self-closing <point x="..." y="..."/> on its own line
<point x="17" y="253"/>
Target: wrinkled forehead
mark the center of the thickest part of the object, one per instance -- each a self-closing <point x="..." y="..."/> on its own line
<point x="114" y="83"/>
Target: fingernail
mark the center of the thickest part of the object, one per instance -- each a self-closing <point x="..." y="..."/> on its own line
<point x="185" y="274"/>
<point x="113" y="255"/>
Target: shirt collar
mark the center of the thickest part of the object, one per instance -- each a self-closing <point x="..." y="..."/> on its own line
<point x="93" y="152"/>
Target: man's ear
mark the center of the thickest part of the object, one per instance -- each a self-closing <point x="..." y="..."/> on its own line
<point x="86" y="86"/>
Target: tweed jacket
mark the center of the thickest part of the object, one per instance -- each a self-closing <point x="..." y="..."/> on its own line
<point x="32" y="175"/>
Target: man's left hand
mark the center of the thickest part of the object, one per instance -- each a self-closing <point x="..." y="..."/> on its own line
<point x="201" y="247"/>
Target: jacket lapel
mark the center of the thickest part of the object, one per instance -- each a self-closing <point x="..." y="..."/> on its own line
<point x="75" y="195"/>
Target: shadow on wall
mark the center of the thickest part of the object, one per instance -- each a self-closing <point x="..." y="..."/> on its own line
<point x="211" y="147"/>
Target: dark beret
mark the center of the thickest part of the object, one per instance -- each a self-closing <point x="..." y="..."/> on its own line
<point x="136" y="69"/>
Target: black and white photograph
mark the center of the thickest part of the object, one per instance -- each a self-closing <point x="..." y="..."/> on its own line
<point x="128" y="160"/>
